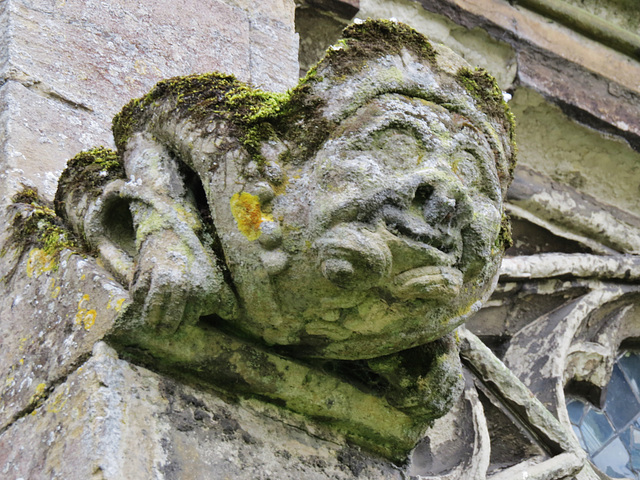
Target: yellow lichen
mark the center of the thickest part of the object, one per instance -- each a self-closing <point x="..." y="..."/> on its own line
<point x="119" y="304"/>
<point x="39" y="262"/>
<point x="59" y="401"/>
<point x="248" y="214"/>
<point x="37" y="395"/>
<point x="89" y="319"/>
<point x="55" y="291"/>
<point x="22" y="343"/>
<point x="85" y="317"/>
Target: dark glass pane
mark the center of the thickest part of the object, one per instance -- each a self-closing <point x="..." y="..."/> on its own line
<point x="575" y="409"/>
<point x="596" y="430"/>
<point x="614" y="460"/>
<point x="630" y="364"/>
<point x="621" y="404"/>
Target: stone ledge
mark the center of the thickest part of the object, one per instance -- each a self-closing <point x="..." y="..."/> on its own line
<point x="116" y="420"/>
<point x="546" y="50"/>
<point x="345" y="9"/>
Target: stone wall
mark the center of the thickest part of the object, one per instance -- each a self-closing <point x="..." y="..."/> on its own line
<point x="69" y="66"/>
<point x="566" y="303"/>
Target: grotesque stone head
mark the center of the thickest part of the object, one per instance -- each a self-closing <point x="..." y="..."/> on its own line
<point x="355" y="217"/>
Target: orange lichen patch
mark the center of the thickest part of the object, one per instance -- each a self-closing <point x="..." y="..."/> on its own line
<point x="248" y="214"/>
<point x="85" y="317"/>
<point x="39" y="262"/>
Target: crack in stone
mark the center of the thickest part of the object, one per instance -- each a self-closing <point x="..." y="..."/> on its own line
<point x="32" y="406"/>
<point x="42" y="89"/>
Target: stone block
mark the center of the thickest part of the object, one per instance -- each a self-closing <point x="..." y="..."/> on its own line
<point x="273" y="51"/>
<point x="52" y="312"/>
<point x="599" y="84"/>
<point x="100" y="54"/>
<point x="39" y="133"/>
<point x="112" y="420"/>
<point x="69" y="65"/>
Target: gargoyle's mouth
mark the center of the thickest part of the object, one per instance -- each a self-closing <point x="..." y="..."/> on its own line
<point x="441" y="247"/>
<point x="430" y="282"/>
<point x="442" y="239"/>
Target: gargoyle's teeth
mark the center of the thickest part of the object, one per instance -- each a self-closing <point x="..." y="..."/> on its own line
<point x="427" y="283"/>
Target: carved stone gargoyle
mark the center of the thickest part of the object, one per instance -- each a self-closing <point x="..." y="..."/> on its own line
<point x="314" y="249"/>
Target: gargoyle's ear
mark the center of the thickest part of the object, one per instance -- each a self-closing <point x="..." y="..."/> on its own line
<point x="145" y="229"/>
<point x="82" y="182"/>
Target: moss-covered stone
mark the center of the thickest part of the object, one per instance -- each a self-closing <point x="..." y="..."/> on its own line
<point x="378" y="252"/>
<point x="255" y="115"/>
<point x="375" y="38"/>
<point x="505" y="239"/>
<point x="88" y="172"/>
<point x="484" y="88"/>
<point x="36" y="225"/>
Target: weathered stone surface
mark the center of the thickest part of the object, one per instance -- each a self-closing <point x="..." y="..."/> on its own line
<point x="457" y="447"/>
<point x="54" y="310"/>
<point x="317" y="30"/>
<point x="343" y="8"/>
<point x="73" y="64"/>
<point x="474" y="45"/>
<point x="558" y="62"/>
<point x="37" y="140"/>
<point x="621" y="12"/>
<point x="114" y="420"/>
<point x="105" y="54"/>
<point x="600" y="173"/>
<point x="567" y="457"/>
<point x="578" y="157"/>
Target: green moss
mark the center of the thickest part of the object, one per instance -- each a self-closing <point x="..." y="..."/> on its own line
<point x="484" y="88"/>
<point x="373" y="39"/>
<point x="504" y="240"/>
<point x="88" y="172"/>
<point x="193" y="95"/>
<point x="36" y="225"/>
<point x="256" y="115"/>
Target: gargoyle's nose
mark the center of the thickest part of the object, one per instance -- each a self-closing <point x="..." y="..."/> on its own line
<point x="436" y="204"/>
<point x="433" y="214"/>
